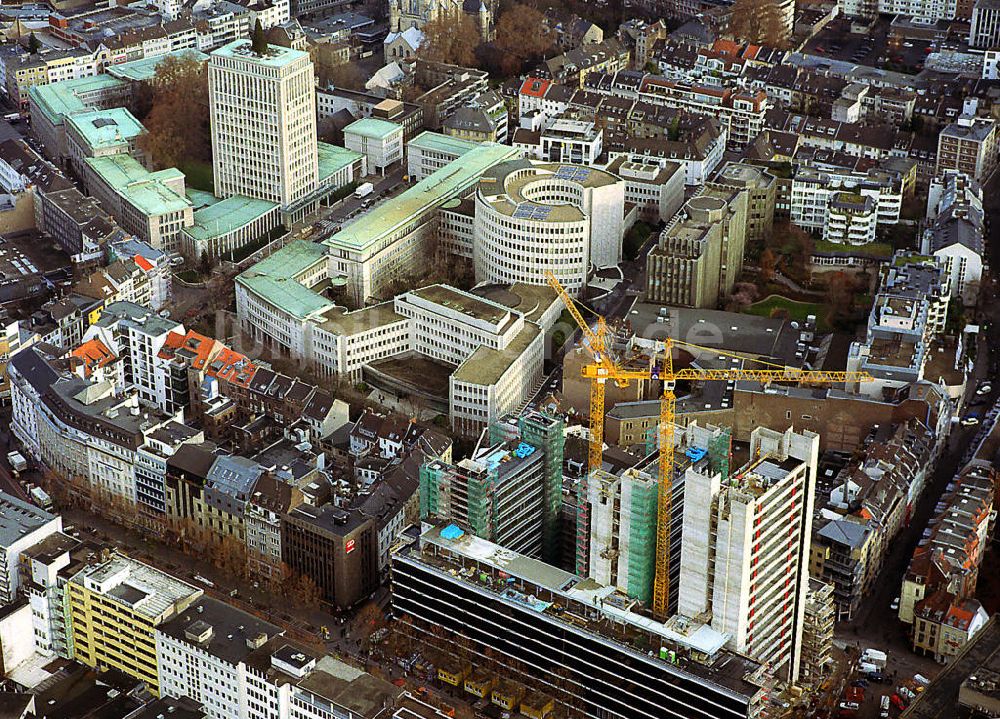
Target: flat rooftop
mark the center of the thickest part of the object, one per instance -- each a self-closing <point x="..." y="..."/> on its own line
<point x="530" y="300"/>
<point x="615" y="618"/>
<point x="413" y="368"/>
<point x="145" y="590"/>
<point x="505" y="185"/>
<point x="389" y="218"/>
<point x="357" y="691"/>
<point x="228" y="215"/>
<point x="731" y="331"/>
<point x="444" y="144"/>
<point x="276" y="55"/>
<point x="59" y="99"/>
<point x="274" y="279"/>
<point x="104" y="129"/>
<point x="331" y="159"/>
<point x="367" y="318"/>
<point x="373" y="128"/>
<point x="18" y="518"/>
<point x="145" y="69"/>
<point x="146" y="190"/>
<point x="464" y="302"/>
<point x="232" y="629"/>
<point x="486" y="365"/>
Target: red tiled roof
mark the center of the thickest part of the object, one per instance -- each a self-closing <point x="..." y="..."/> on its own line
<point x="198" y="344"/>
<point x="535" y="87"/>
<point x="233" y="367"/>
<point x="93" y="354"/>
<point x="726" y="47"/>
<point x="143" y="263"/>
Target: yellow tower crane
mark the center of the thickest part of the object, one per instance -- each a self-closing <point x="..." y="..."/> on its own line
<point x="607" y="367"/>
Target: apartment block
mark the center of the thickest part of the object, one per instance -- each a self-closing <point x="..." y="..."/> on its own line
<point x="845" y="206"/>
<point x="337" y="548"/>
<point x="151" y="205"/>
<point x="115" y="606"/>
<point x="241" y="667"/>
<point x="380" y="141"/>
<point x="761" y="191"/>
<point x="944" y="568"/>
<point x="970" y="145"/>
<point x="817" y="632"/>
<point x="955" y="232"/>
<point x="700" y="253"/>
<point x="509" y="491"/>
<point x="746" y="546"/>
<point x="22" y="525"/>
<point x="909" y="312"/>
<point x="617" y="512"/>
<point x="656" y="189"/>
<point x="741" y="111"/>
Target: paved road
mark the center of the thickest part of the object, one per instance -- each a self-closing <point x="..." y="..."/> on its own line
<point x="8" y="483"/>
<point x="347" y="209"/>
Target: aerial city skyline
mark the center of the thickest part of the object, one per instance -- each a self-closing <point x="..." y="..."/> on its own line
<point x="416" y="359"/>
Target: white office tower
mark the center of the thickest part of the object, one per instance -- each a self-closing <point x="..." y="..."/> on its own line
<point x="745" y="548"/>
<point x="263" y="112"/>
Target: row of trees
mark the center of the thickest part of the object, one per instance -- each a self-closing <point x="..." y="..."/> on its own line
<point x="521" y="38"/>
<point x="225" y="552"/>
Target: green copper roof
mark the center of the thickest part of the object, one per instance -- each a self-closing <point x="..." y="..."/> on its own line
<point x="144" y="70"/>
<point x="274" y="279"/>
<point x="104" y="129"/>
<point x="436" y="142"/>
<point x="277" y="56"/>
<point x="227" y="215"/>
<point x="59" y="99"/>
<point x="331" y="159"/>
<point x="145" y="190"/>
<point x="373" y="128"/>
<point x="429" y="193"/>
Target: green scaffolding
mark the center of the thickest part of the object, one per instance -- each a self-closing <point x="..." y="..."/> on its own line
<point x="430" y="489"/>
<point x="719" y="450"/>
<point x="642" y="540"/>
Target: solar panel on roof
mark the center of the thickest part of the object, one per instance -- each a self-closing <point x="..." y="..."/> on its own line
<point x="528" y="211"/>
<point x="574" y="174"/>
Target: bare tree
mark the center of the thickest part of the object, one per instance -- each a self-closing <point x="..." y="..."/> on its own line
<point x="177" y="125"/>
<point x="451" y="37"/>
<point x="522" y="36"/>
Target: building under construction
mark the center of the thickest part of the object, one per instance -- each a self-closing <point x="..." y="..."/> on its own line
<point x="509" y="492"/>
<point x="617" y="522"/>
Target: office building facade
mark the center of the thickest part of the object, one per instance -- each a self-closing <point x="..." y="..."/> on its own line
<point x="263" y="116"/>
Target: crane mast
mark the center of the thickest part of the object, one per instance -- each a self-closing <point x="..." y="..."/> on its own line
<point x="606" y="367"/>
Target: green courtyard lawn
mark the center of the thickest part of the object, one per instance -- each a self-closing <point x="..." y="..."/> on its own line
<point x="778" y="306"/>
<point x="198" y="175"/>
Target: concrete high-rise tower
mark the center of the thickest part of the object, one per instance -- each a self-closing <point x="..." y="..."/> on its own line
<point x="263" y="112"/>
<point x="745" y="548"/>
